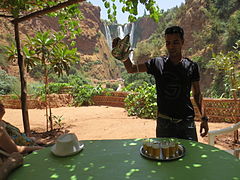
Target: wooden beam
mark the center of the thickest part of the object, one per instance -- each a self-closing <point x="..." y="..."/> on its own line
<point x="46" y="11"/>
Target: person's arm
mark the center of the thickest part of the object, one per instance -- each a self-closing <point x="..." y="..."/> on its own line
<point x="8" y="145"/>
<point x="198" y="100"/>
<point x="131" y="68"/>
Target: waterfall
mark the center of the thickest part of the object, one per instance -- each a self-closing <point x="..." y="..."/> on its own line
<point x="108" y="36"/>
<point x="120" y="32"/>
<point x="126" y="29"/>
<point x="132" y="35"/>
<point x="129" y="29"/>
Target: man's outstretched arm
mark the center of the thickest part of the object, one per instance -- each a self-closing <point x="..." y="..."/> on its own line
<point x="131" y="68"/>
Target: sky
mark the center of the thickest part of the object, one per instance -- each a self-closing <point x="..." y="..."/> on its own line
<point x="122" y="18"/>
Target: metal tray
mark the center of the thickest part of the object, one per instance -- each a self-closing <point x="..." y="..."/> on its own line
<point x="181" y="153"/>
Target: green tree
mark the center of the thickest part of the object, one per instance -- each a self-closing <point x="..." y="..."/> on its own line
<point x="20" y="11"/>
<point x="233" y="29"/>
<point x="8" y="84"/>
<point x="132" y="8"/>
<point x="53" y="55"/>
<point x="47" y="52"/>
<point x="227" y="63"/>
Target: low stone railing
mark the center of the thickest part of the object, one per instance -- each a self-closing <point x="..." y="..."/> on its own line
<point x="115" y="99"/>
<point x="221" y="110"/>
<point x="55" y="101"/>
<point x="218" y="110"/>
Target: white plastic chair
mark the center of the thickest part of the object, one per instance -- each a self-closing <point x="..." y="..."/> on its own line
<point x="212" y="134"/>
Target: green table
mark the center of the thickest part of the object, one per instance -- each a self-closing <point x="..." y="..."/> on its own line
<point x="120" y="159"/>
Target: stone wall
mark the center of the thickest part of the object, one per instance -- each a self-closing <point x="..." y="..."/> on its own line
<point x="218" y="110"/>
<point x="55" y="101"/>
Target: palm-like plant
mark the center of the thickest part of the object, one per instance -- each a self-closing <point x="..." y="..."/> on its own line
<point x="51" y="53"/>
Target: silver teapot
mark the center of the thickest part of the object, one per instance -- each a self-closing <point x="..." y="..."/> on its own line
<point x="121" y="47"/>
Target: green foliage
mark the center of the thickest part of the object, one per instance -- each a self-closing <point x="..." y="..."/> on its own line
<point x="222" y="25"/>
<point x="8" y="84"/>
<point x="77" y="78"/>
<point x="111" y="85"/>
<point x="223" y="8"/>
<point x="88" y="66"/>
<point x="137" y="79"/>
<point x="220" y="87"/>
<point x="226" y="65"/>
<point x="82" y="94"/>
<point x="36" y="89"/>
<point x="142" y="102"/>
<point x="201" y="62"/>
<point x="37" y="72"/>
<point x="57" y="87"/>
<point x="96" y="49"/>
<point x="3" y="58"/>
<point x="39" y="90"/>
<point x="58" y="120"/>
<point x="233" y="29"/>
<point x="132" y="8"/>
<point x="50" y="48"/>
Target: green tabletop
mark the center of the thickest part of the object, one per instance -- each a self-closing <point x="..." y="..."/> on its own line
<point x="120" y="159"/>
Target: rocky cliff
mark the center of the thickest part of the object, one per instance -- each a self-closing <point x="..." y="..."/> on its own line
<point x="91" y="44"/>
<point x="192" y="19"/>
<point x="95" y="57"/>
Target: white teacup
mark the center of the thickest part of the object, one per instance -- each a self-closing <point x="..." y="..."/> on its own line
<point x="66" y="144"/>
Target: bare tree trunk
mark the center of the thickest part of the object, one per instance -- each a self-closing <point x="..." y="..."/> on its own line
<point x="23" y="82"/>
<point x="236" y="116"/>
<point x="235" y="113"/>
<point x="46" y="89"/>
<point x="50" y="117"/>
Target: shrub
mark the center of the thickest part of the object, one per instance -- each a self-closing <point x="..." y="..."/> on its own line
<point x="137" y="78"/>
<point x="57" y="87"/>
<point x="82" y="94"/>
<point x="8" y="84"/>
<point x="34" y="88"/>
<point x="142" y="102"/>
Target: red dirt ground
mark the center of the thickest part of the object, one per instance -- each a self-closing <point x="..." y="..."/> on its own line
<point x="101" y="122"/>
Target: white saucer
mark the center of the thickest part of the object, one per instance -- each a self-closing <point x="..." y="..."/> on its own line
<point x="53" y="150"/>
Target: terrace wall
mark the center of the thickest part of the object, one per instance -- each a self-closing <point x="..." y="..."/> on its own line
<point x="218" y="110"/>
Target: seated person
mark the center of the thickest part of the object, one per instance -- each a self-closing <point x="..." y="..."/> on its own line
<point x="12" y="145"/>
<point x="10" y="154"/>
<point x="9" y="146"/>
<point x="19" y="138"/>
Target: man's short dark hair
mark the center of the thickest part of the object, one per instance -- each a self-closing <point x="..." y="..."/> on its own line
<point x="175" y="30"/>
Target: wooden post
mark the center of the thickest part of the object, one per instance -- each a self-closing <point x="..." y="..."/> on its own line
<point x="23" y="82"/>
<point x="236" y="115"/>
